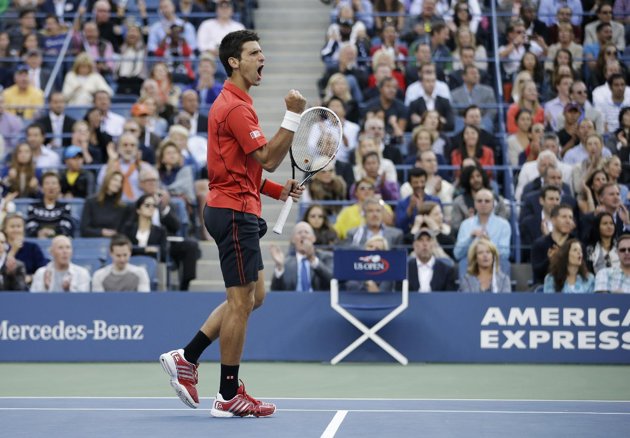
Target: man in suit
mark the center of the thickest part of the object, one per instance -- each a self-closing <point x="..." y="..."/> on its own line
<point x="431" y="100"/>
<point x="552" y="176"/>
<point x="546" y="246"/>
<point x="55" y="122"/>
<point x="535" y="225"/>
<point x="190" y="105"/>
<point x="38" y="75"/>
<point x="112" y="123"/>
<point x="472" y="92"/>
<point x="425" y="272"/>
<point x="64" y="10"/>
<point x="306" y="271"/>
<point x="374" y="226"/>
<point x="532" y="170"/>
<point x="610" y="201"/>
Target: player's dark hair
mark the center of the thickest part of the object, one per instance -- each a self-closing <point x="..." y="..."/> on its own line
<point x="120" y="240"/>
<point x="232" y="46"/>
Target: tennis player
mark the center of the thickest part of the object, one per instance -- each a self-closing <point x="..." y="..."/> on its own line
<point x="237" y="154"/>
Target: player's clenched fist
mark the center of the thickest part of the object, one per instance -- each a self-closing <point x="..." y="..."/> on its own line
<point x="295" y="102"/>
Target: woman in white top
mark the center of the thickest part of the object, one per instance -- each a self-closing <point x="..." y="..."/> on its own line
<point x="83" y="81"/>
<point x="602" y="251"/>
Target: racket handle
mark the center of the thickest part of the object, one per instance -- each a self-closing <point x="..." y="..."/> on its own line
<point x="284" y="214"/>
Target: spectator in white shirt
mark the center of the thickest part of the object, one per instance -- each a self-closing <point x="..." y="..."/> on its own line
<point x="426" y="272"/>
<point x="111" y="123"/>
<point x="611" y="106"/>
<point x="350" y="129"/>
<point x="39" y="76"/>
<point x="603" y="92"/>
<point x="415" y="90"/>
<point x="212" y="31"/>
<point x="60" y="275"/>
<point x="42" y="154"/>
<point x="55" y="122"/>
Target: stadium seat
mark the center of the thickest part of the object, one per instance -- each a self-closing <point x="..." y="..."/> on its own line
<point x="82" y="247"/>
<point x="92" y="264"/>
<point x="377" y="266"/>
<point x="150" y="264"/>
<point x="97" y="247"/>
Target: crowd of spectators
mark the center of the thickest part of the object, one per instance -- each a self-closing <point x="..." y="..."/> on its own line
<point x="445" y="150"/>
<point x="437" y="115"/>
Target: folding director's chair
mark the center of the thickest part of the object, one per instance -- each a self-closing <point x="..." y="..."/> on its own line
<point x="362" y="266"/>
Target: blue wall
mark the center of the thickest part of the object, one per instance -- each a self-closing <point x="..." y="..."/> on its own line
<point x="446" y="327"/>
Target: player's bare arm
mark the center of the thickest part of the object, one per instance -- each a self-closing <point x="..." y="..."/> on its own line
<point x="271" y="155"/>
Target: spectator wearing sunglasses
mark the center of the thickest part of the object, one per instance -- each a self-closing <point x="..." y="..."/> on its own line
<point x="616" y="280"/>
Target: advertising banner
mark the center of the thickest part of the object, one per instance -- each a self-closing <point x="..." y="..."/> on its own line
<point x="439" y="327"/>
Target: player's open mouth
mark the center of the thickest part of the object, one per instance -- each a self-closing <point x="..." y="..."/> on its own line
<point x="260" y="69"/>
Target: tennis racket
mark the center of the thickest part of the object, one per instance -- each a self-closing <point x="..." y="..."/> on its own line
<point x="315" y="144"/>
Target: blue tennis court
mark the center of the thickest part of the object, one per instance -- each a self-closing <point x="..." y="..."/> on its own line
<point x="314" y="417"/>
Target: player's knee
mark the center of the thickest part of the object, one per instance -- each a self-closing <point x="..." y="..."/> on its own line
<point x="242" y="301"/>
<point x="258" y="301"/>
<point x="242" y="307"/>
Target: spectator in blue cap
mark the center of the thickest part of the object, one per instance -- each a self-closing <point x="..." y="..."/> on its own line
<point x="76" y="182"/>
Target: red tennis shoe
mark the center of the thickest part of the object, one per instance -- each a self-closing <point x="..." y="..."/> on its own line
<point x="241" y="405"/>
<point x="183" y="376"/>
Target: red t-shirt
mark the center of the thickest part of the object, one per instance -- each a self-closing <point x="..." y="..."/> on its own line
<point x="233" y="134"/>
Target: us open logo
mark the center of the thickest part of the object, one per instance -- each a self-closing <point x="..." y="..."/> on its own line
<point x="371" y="264"/>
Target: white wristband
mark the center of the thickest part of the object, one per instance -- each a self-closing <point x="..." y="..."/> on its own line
<point x="291" y="121"/>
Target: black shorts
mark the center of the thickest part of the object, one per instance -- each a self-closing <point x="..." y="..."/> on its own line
<point x="238" y="236"/>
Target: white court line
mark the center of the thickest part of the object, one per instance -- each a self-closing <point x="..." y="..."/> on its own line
<point x="395" y="411"/>
<point x="334" y="424"/>
<point x="9" y="397"/>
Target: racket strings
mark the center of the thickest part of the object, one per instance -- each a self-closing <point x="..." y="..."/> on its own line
<point x="316" y="140"/>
